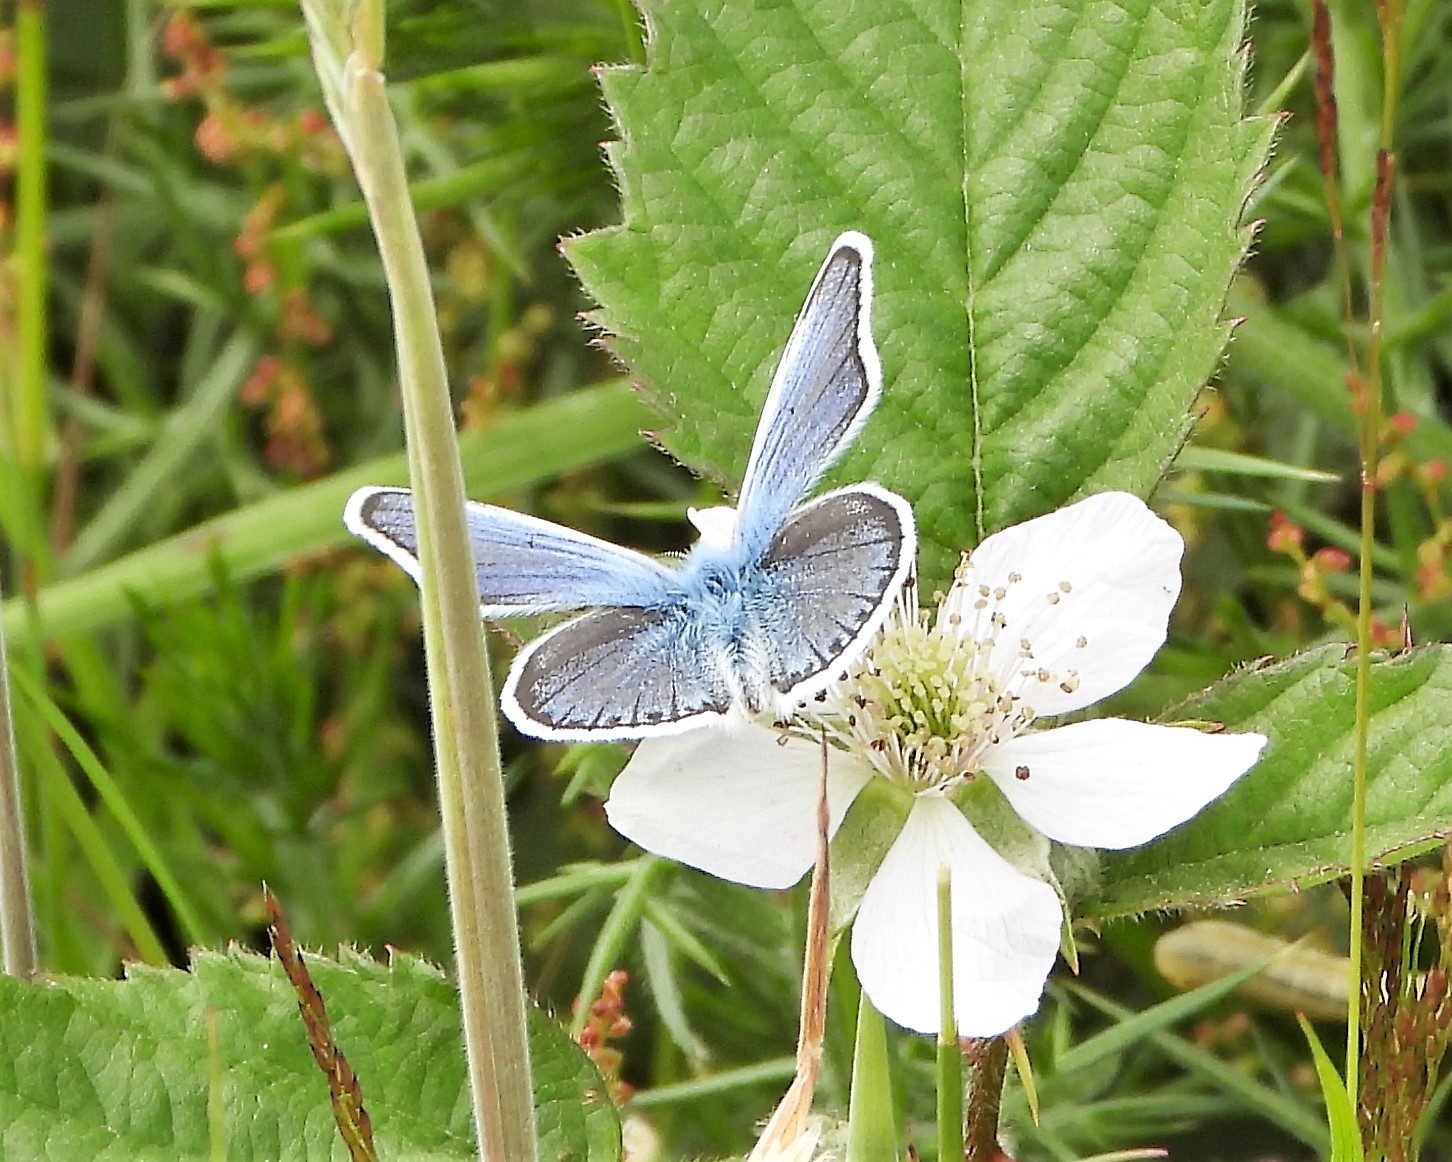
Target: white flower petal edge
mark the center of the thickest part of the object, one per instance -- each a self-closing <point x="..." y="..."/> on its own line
<point x="738" y="803"/>
<point x="1089" y="587"/>
<point x="1005" y="928"/>
<point x="1116" y="784"/>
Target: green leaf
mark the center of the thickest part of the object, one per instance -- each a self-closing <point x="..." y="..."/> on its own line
<point x="1054" y="190"/>
<point x="1345" y="1136"/>
<point x="1287" y="823"/>
<point x="124" y="1070"/>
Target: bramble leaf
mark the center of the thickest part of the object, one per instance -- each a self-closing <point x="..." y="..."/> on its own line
<point x="1287" y="823"/>
<point x="1055" y="192"/>
<point x="108" y="1070"/>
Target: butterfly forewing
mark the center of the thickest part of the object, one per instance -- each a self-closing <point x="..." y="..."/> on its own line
<point x="825" y="386"/>
<point x="616" y="673"/>
<point x="829" y="578"/>
<point x="522" y="564"/>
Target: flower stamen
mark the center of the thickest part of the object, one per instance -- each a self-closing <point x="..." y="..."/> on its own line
<point x="925" y="702"/>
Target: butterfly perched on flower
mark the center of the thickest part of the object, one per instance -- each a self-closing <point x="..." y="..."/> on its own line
<point x="773" y="602"/>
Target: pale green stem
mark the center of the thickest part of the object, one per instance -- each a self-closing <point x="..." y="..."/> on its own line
<point x="1358" y="778"/>
<point x="471" y="785"/>
<point x="25" y="438"/>
<point x="871" y="1124"/>
<point x="1371" y="433"/>
<point x="950" y="1055"/>
<point x="17" y="924"/>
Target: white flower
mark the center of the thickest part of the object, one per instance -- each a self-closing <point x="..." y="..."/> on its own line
<point x="1043" y="619"/>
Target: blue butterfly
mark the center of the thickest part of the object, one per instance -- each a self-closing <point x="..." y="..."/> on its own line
<point x="770" y="605"/>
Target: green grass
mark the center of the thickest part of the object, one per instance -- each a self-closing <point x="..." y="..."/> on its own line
<point x="213" y="688"/>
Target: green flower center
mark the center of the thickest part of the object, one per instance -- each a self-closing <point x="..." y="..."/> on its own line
<point x="923" y="704"/>
<point x="927" y="686"/>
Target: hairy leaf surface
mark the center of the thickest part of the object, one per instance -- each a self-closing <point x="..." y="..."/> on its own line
<point x="1055" y="192"/>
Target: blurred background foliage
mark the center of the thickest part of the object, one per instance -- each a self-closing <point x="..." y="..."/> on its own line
<point x="218" y="337"/>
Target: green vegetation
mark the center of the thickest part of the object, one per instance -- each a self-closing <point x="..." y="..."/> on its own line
<point x="213" y="688"/>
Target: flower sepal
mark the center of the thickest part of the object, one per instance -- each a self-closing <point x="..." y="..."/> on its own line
<point x="869" y="829"/>
<point x="1003" y="829"/>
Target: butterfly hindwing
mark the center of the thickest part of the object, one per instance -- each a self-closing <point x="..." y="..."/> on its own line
<point x="830" y="577"/>
<point x="616" y="673"/>
<point x="825" y="386"/>
<point x="522" y="564"/>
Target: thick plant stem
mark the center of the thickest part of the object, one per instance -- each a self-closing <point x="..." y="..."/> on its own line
<point x="471" y="787"/>
<point x="17" y="923"/>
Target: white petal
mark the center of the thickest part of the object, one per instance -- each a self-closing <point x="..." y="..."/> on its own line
<point x="1112" y="783"/>
<point x="1104" y="572"/>
<point x="736" y="802"/>
<point x="1005" y="928"/>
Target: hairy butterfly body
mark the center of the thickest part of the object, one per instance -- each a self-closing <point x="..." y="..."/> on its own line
<point x="768" y="607"/>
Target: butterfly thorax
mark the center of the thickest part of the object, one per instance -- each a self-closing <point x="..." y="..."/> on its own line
<point x="722" y="598"/>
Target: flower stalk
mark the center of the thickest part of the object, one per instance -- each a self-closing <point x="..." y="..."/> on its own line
<point x="950" y="1056"/>
<point x="347" y="50"/>
<point x="1367" y="405"/>
<point x="871" y="1124"/>
<point x="989" y="1066"/>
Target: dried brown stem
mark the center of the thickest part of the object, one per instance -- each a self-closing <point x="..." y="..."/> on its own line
<point x="789" y="1121"/>
<point x="344" y="1091"/>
